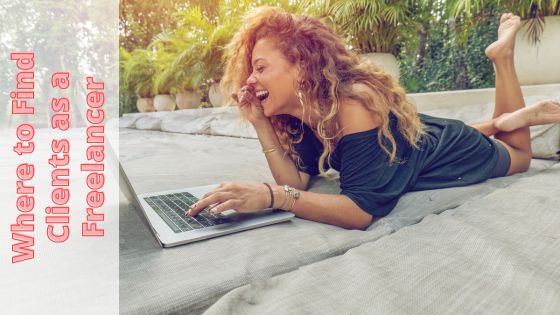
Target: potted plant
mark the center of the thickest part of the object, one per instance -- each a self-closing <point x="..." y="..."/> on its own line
<point x="181" y="66"/>
<point x="163" y="83"/>
<point x="188" y="78"/>
<point x="200" y="53"/>
<point x="213" y="58"/>
<point x="538" y="43"/>
<point x="374" y="28"/>
<point x="139" y="69"/>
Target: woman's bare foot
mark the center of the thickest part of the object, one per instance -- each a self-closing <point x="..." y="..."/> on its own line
<point x="543" y="112"/>
<point x="503" y="47"/>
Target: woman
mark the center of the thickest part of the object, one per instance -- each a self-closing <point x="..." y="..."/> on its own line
<point x="314" y="105"/>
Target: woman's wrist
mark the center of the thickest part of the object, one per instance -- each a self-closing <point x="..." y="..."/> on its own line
<point x="279" y="197"/>
<point x="285" y="197"/>
<point x="270" y="194"/>
<point x="262" y="124"/>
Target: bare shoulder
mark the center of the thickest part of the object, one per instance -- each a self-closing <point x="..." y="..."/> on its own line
<point x="353" y="116"/>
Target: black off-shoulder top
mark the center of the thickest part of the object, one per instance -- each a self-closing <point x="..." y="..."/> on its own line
<point x="450" y="154"/>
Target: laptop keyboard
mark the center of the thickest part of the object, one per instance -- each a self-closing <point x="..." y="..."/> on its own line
<point x="171" y="208"/>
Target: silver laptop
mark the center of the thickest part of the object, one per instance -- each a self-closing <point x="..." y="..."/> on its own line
<point x="165" y="213"/>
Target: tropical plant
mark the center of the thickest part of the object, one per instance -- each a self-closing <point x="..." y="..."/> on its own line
<point x="126" y="98"/>
<point x="141" y="21"/>
<point x="199" y="45"/>
<point x="453" y="56"/>
<point x="187" y="54"/>
<point x="139" y="69"/>
<point x="369" y="25"/>
<point x="532" y="11"/>
<point x="164" y="77"/>
<point x="191" y="56"/>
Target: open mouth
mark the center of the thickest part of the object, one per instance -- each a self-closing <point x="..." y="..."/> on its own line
<point x="261" y="95"/>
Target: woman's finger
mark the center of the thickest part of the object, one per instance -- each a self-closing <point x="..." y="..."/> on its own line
<point x="217" y="189"/>
<point x="234" y="96"/>
<point x="230" y="204"/>
<point x="215" y="198"/>
<point x="208" y="194"/>
<point x="220" y="188"/>
<point x="223" y="187"/>
<point x="251" y="99"/>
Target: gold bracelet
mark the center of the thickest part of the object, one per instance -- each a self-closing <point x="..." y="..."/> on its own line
<point x="291" y="195"/>
<point x="292" y="205"/>
<point x="286" y="197"/>
<point x="269" y="151"/>
<point x="295" y="196"/>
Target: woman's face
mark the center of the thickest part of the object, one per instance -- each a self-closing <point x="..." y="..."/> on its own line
<point x="273" y="78"/>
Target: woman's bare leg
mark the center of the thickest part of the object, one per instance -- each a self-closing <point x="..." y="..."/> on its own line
<point x="543" y="112"/>
<point x="508" y="97"/>
<point x="488" y="128"/>
<point x="540" y="113"/>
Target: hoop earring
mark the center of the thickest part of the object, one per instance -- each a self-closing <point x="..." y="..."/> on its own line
<point x="299" y="94"/>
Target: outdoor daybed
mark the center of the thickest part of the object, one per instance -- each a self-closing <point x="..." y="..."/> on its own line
<point x="493" y="247"/>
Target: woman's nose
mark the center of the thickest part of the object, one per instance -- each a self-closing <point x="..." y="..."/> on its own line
<point x="251" y="80"/>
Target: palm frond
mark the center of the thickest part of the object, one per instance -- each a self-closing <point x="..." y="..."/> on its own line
<point x="535" y="28"/>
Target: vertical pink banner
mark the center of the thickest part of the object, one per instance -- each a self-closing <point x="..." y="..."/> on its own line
<point x="59" y="146"/>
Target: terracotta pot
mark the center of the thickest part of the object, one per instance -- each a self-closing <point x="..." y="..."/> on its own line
<point x="538" y="64"/>
<point x="386" y="61"/>
<point x="164" y="103"/>
<point x="145" y="104"/>
<point x="215" y="95"/>
<point x="187" y="99"/>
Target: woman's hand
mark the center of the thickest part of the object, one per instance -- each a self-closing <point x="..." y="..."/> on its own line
<point x="244" y="197"/>
<point x="249" y="105"/>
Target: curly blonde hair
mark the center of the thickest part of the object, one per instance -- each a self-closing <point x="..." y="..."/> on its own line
<point x="328" y="71"/>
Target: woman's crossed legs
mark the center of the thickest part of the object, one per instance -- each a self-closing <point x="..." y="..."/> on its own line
<point x="511" y="119"/>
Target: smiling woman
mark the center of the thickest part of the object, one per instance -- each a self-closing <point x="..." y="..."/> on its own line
<point x="275" y="84"/>
<point x="315" y="106"/>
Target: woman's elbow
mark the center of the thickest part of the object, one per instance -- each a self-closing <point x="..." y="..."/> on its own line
<point x="361" y="221"/>
<point x="364" y="223"/>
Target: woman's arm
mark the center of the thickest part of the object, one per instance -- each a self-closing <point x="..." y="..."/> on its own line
<point x="337" y="210"/>
<point x="282" y="166"/>
<point x="248" y="197"/>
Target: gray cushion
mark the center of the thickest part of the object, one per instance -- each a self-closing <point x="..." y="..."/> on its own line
<point x="190" y="278"/>
<point x="499" y="254"/>
<point x="223" y="121"/>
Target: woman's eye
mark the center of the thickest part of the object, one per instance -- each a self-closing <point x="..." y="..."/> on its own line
<point x="260" y="69"/>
